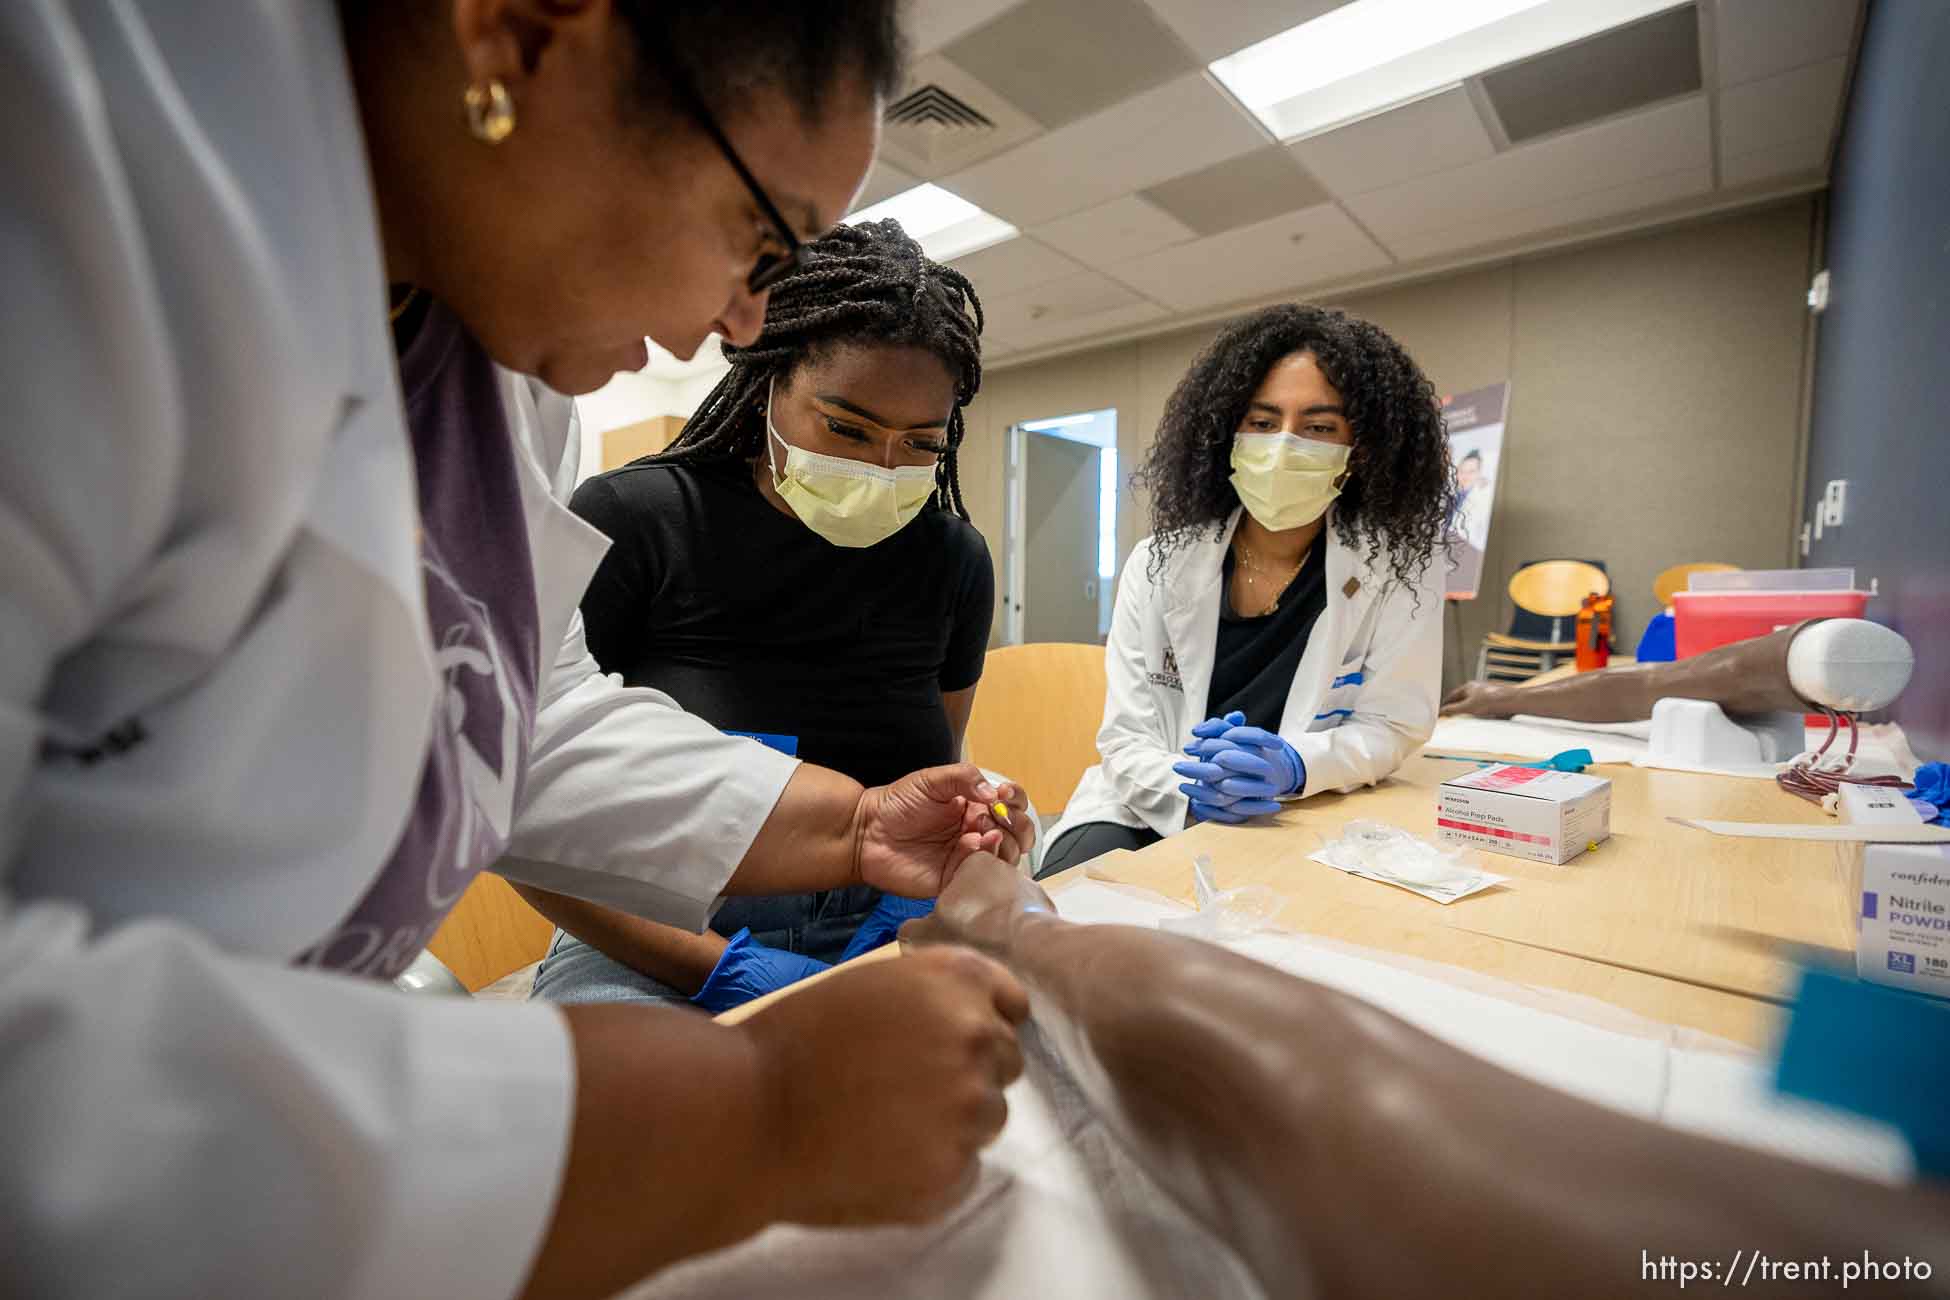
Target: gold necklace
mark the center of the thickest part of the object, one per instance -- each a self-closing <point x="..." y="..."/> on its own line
<point x="398" y="309"/>
<point x="1252" y="569"/>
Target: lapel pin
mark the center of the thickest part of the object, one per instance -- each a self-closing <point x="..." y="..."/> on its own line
<point x="1353" y="585"/>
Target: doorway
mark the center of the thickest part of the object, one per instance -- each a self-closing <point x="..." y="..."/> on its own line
<point x="1060" y="546"/>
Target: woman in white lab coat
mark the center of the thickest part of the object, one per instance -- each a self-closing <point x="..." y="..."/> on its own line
<point x="1280" y="632"/>
<point x="288" y="653"/>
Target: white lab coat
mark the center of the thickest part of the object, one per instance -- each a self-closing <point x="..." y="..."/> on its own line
<point x="1363" y="698"/>
<point x="216" y="690"/>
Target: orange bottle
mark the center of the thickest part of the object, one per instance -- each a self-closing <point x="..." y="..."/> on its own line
<point x="1594" y="632"/>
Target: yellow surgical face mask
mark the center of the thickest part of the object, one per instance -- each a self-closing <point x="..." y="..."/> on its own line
<point x="1286" y="481"/>
<point x="847" y="502"/>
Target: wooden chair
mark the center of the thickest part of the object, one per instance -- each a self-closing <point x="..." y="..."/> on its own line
<point x="1675" y="579"/>
<point x="1543" y="626"/>
<point x="491" y="932"/>
<point x="1036" y="718"/>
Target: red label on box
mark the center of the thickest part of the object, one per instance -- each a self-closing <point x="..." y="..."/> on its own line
<point x="1504" y="778"/>
<point x="1502" y="833"/>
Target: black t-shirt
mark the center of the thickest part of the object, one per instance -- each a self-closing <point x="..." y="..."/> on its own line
<point x="1254" y="662"/>
<point x="755" y="623"/>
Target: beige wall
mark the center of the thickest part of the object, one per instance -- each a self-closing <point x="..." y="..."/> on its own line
<point x="1655" y="401"/>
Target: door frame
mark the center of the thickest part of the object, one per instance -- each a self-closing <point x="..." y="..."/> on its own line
<point x="1015" y="462"/>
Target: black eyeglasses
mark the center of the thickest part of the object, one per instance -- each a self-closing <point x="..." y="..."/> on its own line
<point x="771" y="267"/>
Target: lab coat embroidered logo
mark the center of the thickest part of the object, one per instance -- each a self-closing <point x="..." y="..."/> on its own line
<point x="1168" y="676"/>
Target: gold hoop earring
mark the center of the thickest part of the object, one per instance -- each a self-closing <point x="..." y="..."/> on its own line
<point x="490" y="112"/>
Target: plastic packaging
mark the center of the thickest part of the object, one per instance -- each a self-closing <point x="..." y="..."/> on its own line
<point x="1224" y="913"/>
<point x="1772" y="580"/>
<point x="1391" y="851"/>
<point x="1391" y="855"/>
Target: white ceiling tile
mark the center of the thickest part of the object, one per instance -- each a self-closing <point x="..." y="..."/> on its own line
<point x="1029" y="312"/>
<point x="1430" y="134"/>
<point x="1013" y="266"/>
<point x="994" y="344"/>
<point x="1180" y="127"/>
<point x="1062" y="60"/>
<point x="1758" y="38"/>
<point x="1073" y="306"/>
<point x="1047" y="333"/>
<point x="1670" y="138"/>
<point x="883" y="182"/>
<point x="1114" y="232"/>
<point x="1312" y="246"/>
<point x="931" y="24"/>
<point x="1216" y="28"/>
<point x="1805" y="157"/>
<point x="1590" y="206"/>
<point x="1781" y="109"/>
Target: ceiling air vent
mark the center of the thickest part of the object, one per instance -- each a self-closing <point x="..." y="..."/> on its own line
<point x="933" y="109"/>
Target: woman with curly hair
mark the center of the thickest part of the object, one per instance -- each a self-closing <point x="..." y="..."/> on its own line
<point x="1280" y="632"/>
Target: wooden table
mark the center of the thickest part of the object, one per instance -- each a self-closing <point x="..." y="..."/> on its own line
<point x="1672" y="923"/>
<point x="1562" y="671"/>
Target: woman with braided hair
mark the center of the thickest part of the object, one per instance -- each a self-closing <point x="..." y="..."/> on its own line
<point x="798" y="567"/>
<point x="1290" y="594"/>
<point x="289" y="654"/>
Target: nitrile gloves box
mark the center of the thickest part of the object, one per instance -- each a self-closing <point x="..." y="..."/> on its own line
<point x="1525" y="812"/>
<point x="1905" y="928"/>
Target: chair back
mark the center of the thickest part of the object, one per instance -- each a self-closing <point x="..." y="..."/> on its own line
<point x="1548" y="594"/>
<point x="491" y="932"/>
<point x="1036" y="717"/>
<point x="1675" y="579"/>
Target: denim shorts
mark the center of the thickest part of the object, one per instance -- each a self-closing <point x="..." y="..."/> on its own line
<point x="816" y="925"/>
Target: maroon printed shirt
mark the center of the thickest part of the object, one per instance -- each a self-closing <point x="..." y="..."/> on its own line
<point x="480" y="594"/>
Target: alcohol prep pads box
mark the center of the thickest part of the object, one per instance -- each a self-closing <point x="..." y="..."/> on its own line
<point x="1525" y="812"/>
<point x="1905" y="932"/>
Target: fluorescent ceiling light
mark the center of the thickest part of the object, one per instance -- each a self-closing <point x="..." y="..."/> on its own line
<point x="1372" y="55"/>
<point x="946" y="225"/>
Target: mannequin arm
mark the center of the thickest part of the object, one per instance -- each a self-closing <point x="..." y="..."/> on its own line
<point x="1744" y="677"/>
<point x="1343" y="1152"/>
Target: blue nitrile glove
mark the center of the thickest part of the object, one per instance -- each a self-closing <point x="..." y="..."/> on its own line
<point x="1932" y="782"/>
<point x="1212" y="812"/>
<point x="884" y="922"/>
<point x="1213" y="728"/>
<point x="748" y="969"/>
<point x="1209" y="803"/>
<point x="1206" y="741"/>
<point x="1261" y="766"/>
<point x="1212" y="794"/>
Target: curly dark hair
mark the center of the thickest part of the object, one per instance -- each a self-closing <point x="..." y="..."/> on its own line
<point x="869" y="283"/>
<point x="1401" y="489"/>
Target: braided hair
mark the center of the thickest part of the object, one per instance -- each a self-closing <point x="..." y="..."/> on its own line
<point x="857" y="284"/>
<point x="1402" y="491"/>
